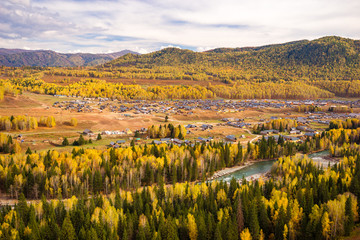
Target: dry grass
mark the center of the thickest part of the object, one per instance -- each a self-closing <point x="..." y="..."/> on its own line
<point x="46" y="138"/>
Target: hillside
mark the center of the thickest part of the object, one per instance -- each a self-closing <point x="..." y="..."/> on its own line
<point x="47" y="58"/>
<point x="327" y="58"/>
<point x="321" y="68"/>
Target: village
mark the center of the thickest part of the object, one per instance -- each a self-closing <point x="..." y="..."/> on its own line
<point x="187" y="106"/>
<point x="240" y="127"/>
<point x="125" y="122"/>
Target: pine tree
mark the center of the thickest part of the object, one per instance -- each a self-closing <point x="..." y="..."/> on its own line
<point x="28" y="151"/>
<point x="33" y="225"/>
<point x="239" y="215"/>
<point x="217" y="234"/>
<point x="67" y="229"/>
<point x="81" y="140"/>
<point x="98" y="184"/>
<point x="22" y="208"/>
<point x="253" y="221"/>
<point x="281" y="128"/>
<point x="65" y="142"/>
<point x="171" y="229"/>
<point x="181" y="136"/>
<point x="349" y="223"/>
<point x="201" y="227"/>
<point x="239" y="155"/>
<point x="99" y="137"/>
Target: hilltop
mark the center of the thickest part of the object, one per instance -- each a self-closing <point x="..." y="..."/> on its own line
<point x="330" y="58"/>
<point x="48" y="58"/>
<point x="319" y="52"/>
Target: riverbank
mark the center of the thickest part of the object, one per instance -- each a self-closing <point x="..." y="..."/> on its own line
<point x="228" y="171"/>
<point x="261" y="168"/>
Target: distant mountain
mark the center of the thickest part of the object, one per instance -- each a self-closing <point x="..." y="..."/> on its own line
<point x="323" y="51"/>
<point x="48" y="58"/>
<point x="329" y="58"/>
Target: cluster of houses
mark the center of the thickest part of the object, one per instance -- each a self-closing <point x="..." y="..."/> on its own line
<point x="74" y="105"/>
<point x="228" y="139"/>
<point x="285" y="137"/>
<point x="117" y="132"/>
<point x="186" y="106"/>
<point x="117" y="144"/>
<point x="235" y="122"/>
<point x="202" y="127"/>
<point x="301" y="132"/>
<point x="174" y="141"/>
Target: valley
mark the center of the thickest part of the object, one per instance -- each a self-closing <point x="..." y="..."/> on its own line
<point x="176" y="144"/>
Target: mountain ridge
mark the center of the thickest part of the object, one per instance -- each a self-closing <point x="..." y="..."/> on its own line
<point x="49" y="58"/>
<point x="326" y="58"/>
<point x="302" y="49"/>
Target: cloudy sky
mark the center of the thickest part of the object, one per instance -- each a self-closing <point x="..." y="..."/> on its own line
<point x="149" y="25"/>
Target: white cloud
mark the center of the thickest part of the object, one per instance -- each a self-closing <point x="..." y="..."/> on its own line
<point x="169" y="46"/>
<point x="148" y="25"/>
<point x="203" y="49"/>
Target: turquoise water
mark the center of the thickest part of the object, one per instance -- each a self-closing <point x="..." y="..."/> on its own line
<point x="319" y="154"/>
<point x="256" y="168"/>
<point x="319" y="158"/>
<point x="265" y="166"/>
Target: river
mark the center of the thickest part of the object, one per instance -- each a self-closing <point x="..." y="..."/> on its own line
<point x="259" y="168"/>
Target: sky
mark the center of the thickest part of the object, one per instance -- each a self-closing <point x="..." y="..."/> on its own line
<point x="144" y="26"/>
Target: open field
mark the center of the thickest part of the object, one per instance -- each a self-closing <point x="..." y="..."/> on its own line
<point x="38" y="105"/>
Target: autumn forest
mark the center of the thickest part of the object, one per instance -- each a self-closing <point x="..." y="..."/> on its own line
<point x="67" y="173"/>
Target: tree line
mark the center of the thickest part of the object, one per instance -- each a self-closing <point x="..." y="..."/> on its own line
<point x="278" y="124"/>
<point x="22" y="122"/>
<point x="167" y="131"/>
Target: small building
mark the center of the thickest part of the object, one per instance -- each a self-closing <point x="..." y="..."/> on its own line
<point x="201" y="139"/>
<point x="87" y="132"/>
<point x="311" y="130"/>
<point x="295" y="132"/>
<point x="291" y="138"/>
<point x="301" y="128"/>
<point x="157" y="142"/>
<point x="206" y="127"/>
<point x="310" y="134"/>
<point x="267" y="132"/>
<point x="275" y="137"/>
<point x="177" y="141"/>
<point x="231" y="138"/>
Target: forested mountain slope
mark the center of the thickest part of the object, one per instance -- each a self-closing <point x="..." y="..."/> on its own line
<point x="327" y="58"/>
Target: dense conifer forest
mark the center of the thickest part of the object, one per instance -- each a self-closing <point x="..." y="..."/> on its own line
<point x="162" y="192"/>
